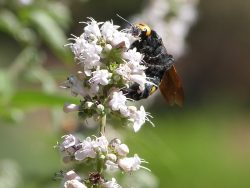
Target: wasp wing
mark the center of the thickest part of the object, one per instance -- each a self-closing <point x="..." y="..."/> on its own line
<point x="171" y="87"/>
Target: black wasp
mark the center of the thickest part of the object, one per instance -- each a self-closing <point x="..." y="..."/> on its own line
<point x="159" y="66"/>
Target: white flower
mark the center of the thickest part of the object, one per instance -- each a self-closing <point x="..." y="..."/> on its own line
<point x="78" y="47"/>
<point x="132" y="71"/>
<point x="71" y="175"/>
<point x="114" y="142"/>
<point x="111" y="165"/>
<point x="68" y="141"/>
<point x="133" y="55"/>
<point x="119" y="37"/>
<point x="107" y="47"/>
<point x="86" y="150"/>
<point x="108" y="29"/>
<point x="124" y="110"/>
<point x="90" y="148"/>
<point x="74" y="184"/>
<point x="101" y="144"/>
<point x="118" y="101"/>
<point x="87" y="54"/>
<point x="101" y="77"/>
<point x="92" y="28"/>
<point x="111" y="157"/>
<point x="91" y="57"/>
<point x="130" y="164"/>
<point x="138" y="118"/>
<point x="122" y="150"/>
<point x="111" y="184"/>
<point x="139" y="79"/>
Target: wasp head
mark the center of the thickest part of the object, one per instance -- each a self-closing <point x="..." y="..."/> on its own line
<point x="143" y="30"/>
<point x="139" y="30"/>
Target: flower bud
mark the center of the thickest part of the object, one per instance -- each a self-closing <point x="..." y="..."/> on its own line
<point x="115" y="142"/>
<point x="111" y="157"/>
<point x="70" y="107"/>
<point x="88" y="104"/>
<point x="130" y="164"/>
<point x="71" y="175"/>
<point x="107" y="47"/>
<point x="100" y="108"/>
<point x="122" y="150"/>
<point x="74" y="184"/>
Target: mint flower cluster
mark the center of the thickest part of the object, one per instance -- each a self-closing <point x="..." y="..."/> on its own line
<point x="107" y="67"/>
<point x="111" y="156"/>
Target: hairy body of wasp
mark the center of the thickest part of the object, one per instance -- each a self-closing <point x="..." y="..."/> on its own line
<point x="157" y="61"/>
<point x="160" y="68"/>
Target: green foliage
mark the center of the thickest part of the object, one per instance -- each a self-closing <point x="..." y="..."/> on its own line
<point x="32" y="26"/>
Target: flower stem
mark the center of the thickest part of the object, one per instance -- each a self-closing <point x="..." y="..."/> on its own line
<point x="103" y="124"/>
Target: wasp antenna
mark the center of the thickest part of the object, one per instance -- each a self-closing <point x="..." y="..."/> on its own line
<point x="125" y="20"/>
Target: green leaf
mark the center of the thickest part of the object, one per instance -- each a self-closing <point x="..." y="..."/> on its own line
<point x="38" y="98"/>
<point x="60" y="13"/>
<point x="51" y="33"/>
<point x="11" y="24"/>
<point x="6" y="87"/>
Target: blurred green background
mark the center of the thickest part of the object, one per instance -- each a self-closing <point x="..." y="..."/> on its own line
<point x="205" y="144"/>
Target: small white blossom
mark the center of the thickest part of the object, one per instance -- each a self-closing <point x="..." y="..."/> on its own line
<point x="114" y="142"/>
<point x="108" y="29"/>
<point x="91" y="56"/>
<point x="111" y="165"/>
<point x="138" y="118"/>
<point x="78" y="47"/>
<point x="118" y="101"/>
<point x="133" y="55"/>
<point x="101" y="144"/>
<point x="87" y="54"/>
<point x="111" y="184"/>
<point x="71" y="175"/>
<point x="122" y="37"/>
<point x="101" y="77"/>
<point x="68" y="141"/>
<point x="124" y="110"/>
<point x="100" y="108"/>
<point x="74" y="184"/>
<point x="130" y="164"/>
<point x="86" y="150"/>
<point x="107" y="47"/>
<point x="92" y="28"/>
<point x="72" y="180"/>
<point x="111" y="156"/>
<point x="132" y="70"/>
<point x="139" y="79"/>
